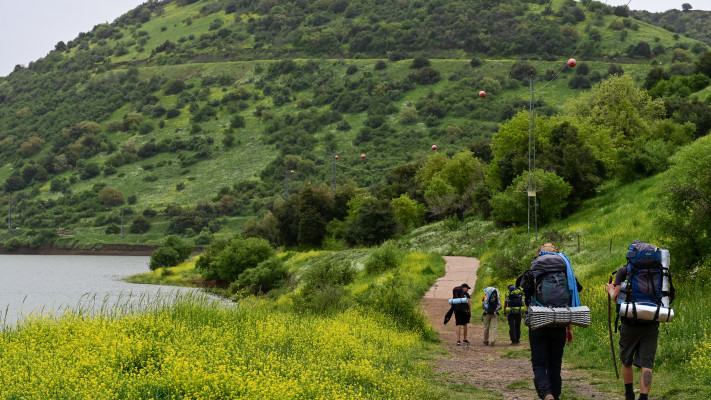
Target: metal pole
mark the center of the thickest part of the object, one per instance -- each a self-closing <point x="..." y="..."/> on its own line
<point x="122" y="223"/>
<point x="333" y="173"/>
<point x="9" y="212"/>
<point x="286" y="184"/>
<point x="530" y="125"/>
<point x="535" y="183"/>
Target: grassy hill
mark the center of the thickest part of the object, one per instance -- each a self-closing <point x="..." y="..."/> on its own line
<point x="179" y="103"/>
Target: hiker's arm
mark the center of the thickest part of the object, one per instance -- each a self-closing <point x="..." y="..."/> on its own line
<point x="613" y="290"/>
<point x="569" y="334"/>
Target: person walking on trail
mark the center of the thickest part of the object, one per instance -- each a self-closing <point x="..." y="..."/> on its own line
<point x="513" y="308"/>
<point x="638" y="339"/>
<point x="550" y="283"/>
<point x="462" y="315"/>
<point x="491" y="304"/>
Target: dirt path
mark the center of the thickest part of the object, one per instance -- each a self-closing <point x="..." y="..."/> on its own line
<point x="504" y="369"/>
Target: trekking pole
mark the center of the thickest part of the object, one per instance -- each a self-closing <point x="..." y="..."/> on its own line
<point x="609" y="326"/>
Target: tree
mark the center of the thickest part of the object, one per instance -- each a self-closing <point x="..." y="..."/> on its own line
<point x="32" y="146"/>
<point x="370" y="221"/>
<point x="511" y="205"/>
<point x="140" y="225"/>
<point x="687" y="203"/>
<point x="173" y="252"/>
<point x="703" y="64"/>
<point x="686" y="7"/>
<point x="227" y="260"/>
<point x="407" y="212"/>
<point x="109" y="196"/>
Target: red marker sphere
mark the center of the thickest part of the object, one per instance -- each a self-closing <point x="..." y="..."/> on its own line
<point x="434" y="147"/>
<point x="572" y="63"/>
<point x="292" y="171"/>
<point x="362" y="156"/>
<point x="336" y="157"/>
<point x="482" y="94"/>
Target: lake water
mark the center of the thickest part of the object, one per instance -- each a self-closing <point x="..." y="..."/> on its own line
<point x="42" y="283"/>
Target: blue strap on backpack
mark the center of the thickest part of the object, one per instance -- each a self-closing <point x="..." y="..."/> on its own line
<point x="572" y="282"/>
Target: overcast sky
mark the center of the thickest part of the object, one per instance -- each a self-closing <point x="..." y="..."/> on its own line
<point x="29" y="29"/>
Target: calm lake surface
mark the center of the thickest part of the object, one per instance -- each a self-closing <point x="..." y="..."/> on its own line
<point x="43" y="283"/>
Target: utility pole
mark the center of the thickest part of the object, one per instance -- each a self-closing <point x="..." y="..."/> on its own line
<point x="9" y="212"/>
<point x="333" y="173"/>
<point x="122" y="223"/>
<point x="532" y="184"/>
<point x="286" y="182"/>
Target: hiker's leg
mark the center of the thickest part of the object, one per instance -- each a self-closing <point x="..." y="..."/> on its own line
<point x="492" y="327"/>
<point x="539" y="360"/>
<point x="487" y="322"/>
<point x="465" y="331"/>
<point x="459" y="330"/>
<point x="627" y="374"/>
<point x="645" y="381"/>
<point x="555" y="360"/>
<point x="512" y="327"/>
<point x="517" y="324"/>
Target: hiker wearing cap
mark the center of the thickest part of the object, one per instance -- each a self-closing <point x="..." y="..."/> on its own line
<point x="462" y="315"/>
<point x="491" y="304"/>
<point x="549" y="283"/>
<point x="513" y="309"/>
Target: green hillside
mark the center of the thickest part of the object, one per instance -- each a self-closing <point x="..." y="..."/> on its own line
<point x="195" y="112"/>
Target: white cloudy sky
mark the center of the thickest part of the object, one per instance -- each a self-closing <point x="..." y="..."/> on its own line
<point x="29" y="29"/>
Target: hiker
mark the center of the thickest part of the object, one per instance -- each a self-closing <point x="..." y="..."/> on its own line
<point x="462" y="313"/>
<point x="638" y="338"/>
<point x="550" y="283"/>
<point x="513" y="308"/>
<point x="491" y="305"/>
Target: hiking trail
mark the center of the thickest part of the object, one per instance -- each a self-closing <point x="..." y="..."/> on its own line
<point x="503" y="368"/>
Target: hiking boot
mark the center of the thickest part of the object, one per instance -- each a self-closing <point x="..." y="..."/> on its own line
<point x="486" y="343"/>
<point x="549" y="397"/>
<point x="629" y="396"/>
<point x="459" y="343"/>
<point x="465" y="341"/>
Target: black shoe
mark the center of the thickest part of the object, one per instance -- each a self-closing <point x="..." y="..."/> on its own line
<point x="459" y="343"/>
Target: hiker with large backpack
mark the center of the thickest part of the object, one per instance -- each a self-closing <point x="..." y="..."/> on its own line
<point x="643" y="291"/>
<point x="549" y="283"/>
<point x="491" y="304"/>
<point x="462" y="311"/>
<point x="513" y="310"/>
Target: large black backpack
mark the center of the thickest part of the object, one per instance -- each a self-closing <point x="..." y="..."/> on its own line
<point x="457" y="293"/>
<point x="493" y="303"/>
<point x="550" y="281"/>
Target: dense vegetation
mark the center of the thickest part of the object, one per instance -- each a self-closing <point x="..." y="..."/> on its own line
<point x="188" y="117"/>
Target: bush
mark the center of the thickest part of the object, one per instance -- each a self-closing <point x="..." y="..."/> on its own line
<point x="109" y="196"/>
<point x="268" y="275"/>
<point x="227" y="260"/>
<point x="140" y="225"/>
<point x="112" y="229"/>
<point x="323" y="285"/>
<point x="385" y="258"/>
<point x="173" y="252"/>
<point x="13" y="244"/>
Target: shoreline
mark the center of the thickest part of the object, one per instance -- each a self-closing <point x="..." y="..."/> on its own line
<point x="98" y="250"/>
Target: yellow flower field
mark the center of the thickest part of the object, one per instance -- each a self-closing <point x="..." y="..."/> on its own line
<point x="198" y="348"/>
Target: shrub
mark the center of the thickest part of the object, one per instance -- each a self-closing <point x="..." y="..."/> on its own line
<point x="112" y="229"/>
<point x="140" y="224"/>
<point x="13" y="244"/>
<point x="324" y="284"/>
<point x="226" y="260"/>
<point x="385" y="258"/>
<point x="267" y="275"/>
<point x="173" y="252"/>
<point x="109" y="196"/>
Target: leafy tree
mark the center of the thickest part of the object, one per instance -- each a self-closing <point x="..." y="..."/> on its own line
<point x="140" y="225"/>
<point x="109" y="196"/>
<point x="407" y="212"/>
<point x="420" y="62"/>
<point x="511" y="205"/>
<point x="703" y="64"/>
<point x="32" y="146"/>
<point x="173" y="252"/>
<point x="226" y="260"/>
<point x="687" y="216"/>
<point x="266" y="276"/>
<point x="370" y="221"/>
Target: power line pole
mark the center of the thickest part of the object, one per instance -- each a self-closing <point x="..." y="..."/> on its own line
<point x="333" y="173"/>
<point x="9" y="212"/>
<point x="532" y="184"/>
<point x="122" y="223"/>
<point x="286" y="182"/>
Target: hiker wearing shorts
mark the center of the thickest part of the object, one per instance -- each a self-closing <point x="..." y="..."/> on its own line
<point x="638" y="345"/>
<point x="547" y="343"/>
<point x="462" y="316"/>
